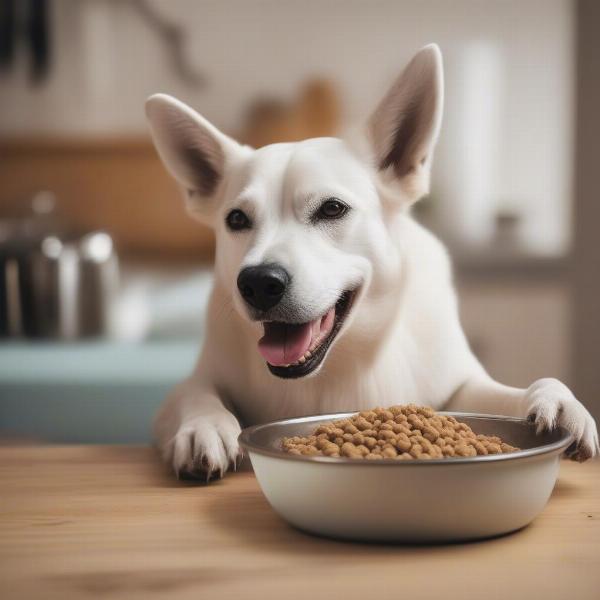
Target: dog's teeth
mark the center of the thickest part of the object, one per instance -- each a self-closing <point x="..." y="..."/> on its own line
<point x="302" y="360"/>
<point x="308" y="354"/>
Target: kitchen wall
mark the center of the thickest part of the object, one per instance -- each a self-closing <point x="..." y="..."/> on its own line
<point x="509" y="68"/>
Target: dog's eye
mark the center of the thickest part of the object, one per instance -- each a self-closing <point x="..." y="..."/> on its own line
<point x="237" y="220"/>
<point x="332" y="208"/>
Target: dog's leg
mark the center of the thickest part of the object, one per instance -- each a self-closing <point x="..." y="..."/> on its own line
<point x="547" y="402"/>
<point x="195" y="433"/>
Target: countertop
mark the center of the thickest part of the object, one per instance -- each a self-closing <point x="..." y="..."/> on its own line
<point x="95" y="391"/>
<point x="111" y="522"/>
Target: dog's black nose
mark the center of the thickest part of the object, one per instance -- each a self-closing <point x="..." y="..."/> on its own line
<point x="263" y="286"/>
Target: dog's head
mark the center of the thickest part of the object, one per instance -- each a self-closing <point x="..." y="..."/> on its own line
<point x="304" y="230"/>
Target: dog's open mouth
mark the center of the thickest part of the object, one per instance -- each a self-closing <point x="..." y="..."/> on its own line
<point x="296" y="349"/>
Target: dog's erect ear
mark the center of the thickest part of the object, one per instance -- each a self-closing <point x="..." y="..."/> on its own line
<point x="195" y="152"/>
<point x="406" y="124"/>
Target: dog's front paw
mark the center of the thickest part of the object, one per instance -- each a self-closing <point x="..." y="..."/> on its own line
<point x="551" y="403"/>
<point x="204" y="447"/>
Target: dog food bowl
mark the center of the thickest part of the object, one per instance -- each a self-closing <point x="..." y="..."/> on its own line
<point x="421" y="501"/>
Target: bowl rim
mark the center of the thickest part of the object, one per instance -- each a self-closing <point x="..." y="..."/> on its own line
<point x="245" y="440"/>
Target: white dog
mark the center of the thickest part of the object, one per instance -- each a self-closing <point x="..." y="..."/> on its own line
<point x="328" y="296"/>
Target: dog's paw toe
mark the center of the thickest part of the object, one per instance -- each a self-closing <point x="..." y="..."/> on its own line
<point x="205" y="448"/>
<point x="586" y="446"/>
<point x="552" y="404"/>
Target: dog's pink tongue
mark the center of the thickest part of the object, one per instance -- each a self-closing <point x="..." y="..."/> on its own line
<point x="285" y="344"/>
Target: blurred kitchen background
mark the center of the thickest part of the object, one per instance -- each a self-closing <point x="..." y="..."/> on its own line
<point x="104" y="279"/>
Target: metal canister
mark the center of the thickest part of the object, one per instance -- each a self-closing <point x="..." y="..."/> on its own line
<point x="56" y="286"/>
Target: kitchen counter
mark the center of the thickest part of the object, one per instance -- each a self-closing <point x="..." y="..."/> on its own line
<point x="98" y="391"/>
<point x="111" y="522"/>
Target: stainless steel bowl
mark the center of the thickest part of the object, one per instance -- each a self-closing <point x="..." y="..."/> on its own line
<point x="408" y="501"/>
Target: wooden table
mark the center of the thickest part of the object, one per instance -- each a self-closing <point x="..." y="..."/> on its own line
<point x="110" y="522"/>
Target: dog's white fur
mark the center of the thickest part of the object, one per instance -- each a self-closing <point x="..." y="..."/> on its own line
<point x="402" y="341"/>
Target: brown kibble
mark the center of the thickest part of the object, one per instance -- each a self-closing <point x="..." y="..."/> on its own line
<point x="416" y="450"/>
<point x="480" y="448"/>
<point x="427" y="445"/>
<point x="370" y="442"/>
<point x="361" y="423"/>
<point x="403" y="443"/>
<point x="471" y="451"/>
<point x="322" y="442"/>
<point x="437" y="452"/>
<point x="419" y="439"/>
<point x="399" y="433"/>
<point x="349" y="450"/>
<point x="358" y="438"/>
<point x="363" y="450"/>
<point x="402" y="428"/>
<point x="430" y="434"/>
<point x="462" y="450"/>
<point x="414" y="420"/>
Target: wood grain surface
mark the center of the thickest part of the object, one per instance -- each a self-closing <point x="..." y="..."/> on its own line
<point x="110" y="522"/>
